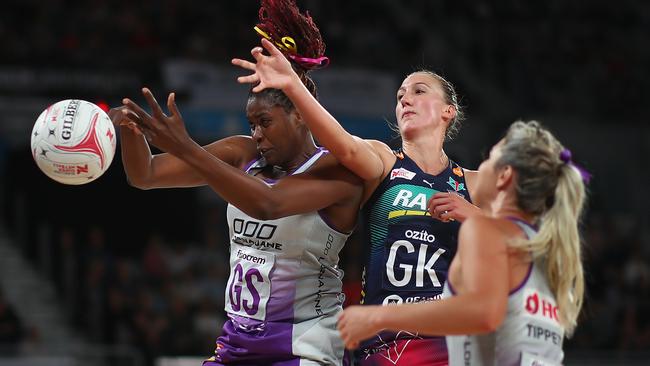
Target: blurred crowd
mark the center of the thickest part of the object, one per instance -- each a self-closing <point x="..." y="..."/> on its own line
<point x="164" y="295"/>
<point x="165" y="298"/>
<point x="555" y="55"/>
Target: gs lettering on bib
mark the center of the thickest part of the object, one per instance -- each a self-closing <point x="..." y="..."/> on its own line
<point x="249" y="286"/>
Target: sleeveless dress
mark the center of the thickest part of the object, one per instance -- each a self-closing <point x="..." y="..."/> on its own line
<point x="531" y="333"/>
<point x="284" y="290"/>
<point x="408" y="254"/>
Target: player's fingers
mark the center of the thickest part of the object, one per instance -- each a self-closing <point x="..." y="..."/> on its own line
<point x="446" y="216"/>
<point x="433" y="201"/>
<point x="142" y="116"/>
<point x="171" y="105"/>
<point x="244" y="64"/>
<point x="438" y="210"/>
<point x="116" y="115"/>
<point x="128" y="116"/>
<point x="153" y="104"/>
<point x="257" y="54"/>
<point x="269" y="46"/>
<point x="248" y="79"/>
<point x="259" y="87"/>
<point x="441" y="196"/>
<point x="444" y="208"/>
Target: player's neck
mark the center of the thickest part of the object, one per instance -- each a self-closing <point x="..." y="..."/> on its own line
<point x="301" y="158"/>
<point x="505" y="206"/>
<point x="428" y="155"/>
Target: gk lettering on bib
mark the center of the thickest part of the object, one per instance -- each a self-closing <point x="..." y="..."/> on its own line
<point x="413" y="260"/>
<point x="249" y="286"/>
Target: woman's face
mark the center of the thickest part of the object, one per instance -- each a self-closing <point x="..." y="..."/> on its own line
<point x="484" y="191"/>
<point x="420" y="104"/>
<point x="274" y="130"/>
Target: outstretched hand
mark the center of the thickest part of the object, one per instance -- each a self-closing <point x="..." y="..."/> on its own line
<point x="273" y="71"/>
<point x="168" y="133"/>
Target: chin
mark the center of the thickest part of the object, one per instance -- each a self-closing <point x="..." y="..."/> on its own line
<point x="410" y="129"/>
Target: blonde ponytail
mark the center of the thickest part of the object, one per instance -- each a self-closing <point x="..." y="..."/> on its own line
<point x="553" y="190"/>
<point x="557" y="244"/>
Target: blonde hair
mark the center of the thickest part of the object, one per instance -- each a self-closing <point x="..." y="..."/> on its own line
<point x="552" y="190"/>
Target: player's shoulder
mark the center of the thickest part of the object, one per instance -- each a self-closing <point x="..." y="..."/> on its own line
<point x="482" y="233"/>
<point x="480" y="224"/>
<point x="379" y="147"/>
<point x="469" y="175"/>
<point x="385" y="153"/>
<point x="377" y="144"/>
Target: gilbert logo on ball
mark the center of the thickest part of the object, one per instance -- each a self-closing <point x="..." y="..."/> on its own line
<point x="73" y="141"/>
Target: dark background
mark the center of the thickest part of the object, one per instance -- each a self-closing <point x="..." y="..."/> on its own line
<point x="152" y="263"/>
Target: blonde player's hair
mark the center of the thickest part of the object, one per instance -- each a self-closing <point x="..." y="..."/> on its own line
<point x="553" y="190"/>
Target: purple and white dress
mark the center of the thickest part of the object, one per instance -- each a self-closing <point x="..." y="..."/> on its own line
<point x="531" y="333"/>
<point x="284" y="290"/>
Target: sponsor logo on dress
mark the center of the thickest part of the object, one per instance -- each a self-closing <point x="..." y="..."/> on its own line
<point x="455" y="185"/>
<point x="540" y="306"/>
<point x="392" y="300"/>
<point x="401" y="173"/>
<point x="254" y="234"/>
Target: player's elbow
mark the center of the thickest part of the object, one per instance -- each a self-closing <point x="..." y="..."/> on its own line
<point x="491" y="317"/>
<point x="139" y="183"/>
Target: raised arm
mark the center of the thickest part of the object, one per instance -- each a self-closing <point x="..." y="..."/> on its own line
<point x="480" y="307"/>
<point x="274" y="71"/>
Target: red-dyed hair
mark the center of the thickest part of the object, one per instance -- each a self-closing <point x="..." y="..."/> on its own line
<point x="282" y="18"/>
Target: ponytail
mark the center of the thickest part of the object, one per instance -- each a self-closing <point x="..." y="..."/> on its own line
<point x="558" y="243"/>
<point x="552" y="188"/>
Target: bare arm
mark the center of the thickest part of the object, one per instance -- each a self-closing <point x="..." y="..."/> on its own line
<point x="479" y="307"/>
<point x="147" y="171"/>
<point x="275" y="71"/>
<point x="317" y="189"/>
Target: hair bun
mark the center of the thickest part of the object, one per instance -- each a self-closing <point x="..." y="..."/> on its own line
<point x="293" y="33"/>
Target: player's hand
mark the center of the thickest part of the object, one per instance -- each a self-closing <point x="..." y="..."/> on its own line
<point x="357" y="323"/>
<point x="451" y="206"/>
<point x="123" y="116"/>
<point x="272" y="71"/>
<point x="166" y="132"/>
